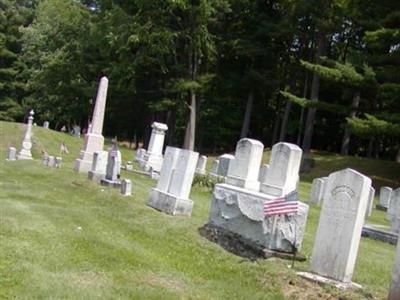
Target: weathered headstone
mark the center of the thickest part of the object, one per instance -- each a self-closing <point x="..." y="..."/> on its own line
<point x="171" y="195"/>
<point x="76" y="130"/>
<point x="214" y="168"/>
<point x="11" y="153"/>
<point x="340" y="224"/>
<point x="51" y="161"/>
<point x="140" y="154"/>
<point x="57" y="162"/>
<point x="113" y="168"/>
<point x="126" y="187"/>
<point x="263" y="172"/>
<point x="46" y="124"/>
<point x="394" y="293"/>
<point x="129" y="166"/>
<point x="395" y="212"/>
<point x="283" y="172"/>
<point x="224" y="161"/>
<point x="244" y="168"/>
<point x="317" y="191"/>
<point x="384" y="196"/>
<point x="153" y="157"/>
<point x="393" y="204"/>
<point x="99" y="166"/>
<point x="25" y="152"/>
<point x="201" y="165"/>
<point x="45" y="159"/>
<point x="94" y="140"/>
<point x="371" y="196"/>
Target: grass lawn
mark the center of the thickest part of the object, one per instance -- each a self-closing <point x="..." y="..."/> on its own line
<point x="62" y="236"/>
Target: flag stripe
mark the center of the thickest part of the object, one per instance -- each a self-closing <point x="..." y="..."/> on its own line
<point x="282" y="205"/>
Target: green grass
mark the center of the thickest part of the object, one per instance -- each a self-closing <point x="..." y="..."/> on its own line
<point x="62" y="236"/>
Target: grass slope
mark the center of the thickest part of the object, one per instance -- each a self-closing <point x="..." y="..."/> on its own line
<point x="62" y="236"/>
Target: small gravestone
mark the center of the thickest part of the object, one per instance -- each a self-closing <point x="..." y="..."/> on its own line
<point x="171" y="195"/>
<point x="244" y="168"/>
<point x="391" y="211"/>
<point x="46" y="124"/>
<point x="139" y="157"/>
<point x="45" y="159"/>
<point x="25" y="152"/>
<point x="51" y="161"/>
<point x="384" y="197"/>
<point x="317" y="191"/>
<point x="263" y="172"/>
<point x="371" y="196"/>
<point x="129" y="166"/>
<point x="153" y="157"/>
<point x="395" y="212"/>
<point x="57" y="162"/>
<point x="99" y="166"/>
<point x="11" y="153"/>
<point x="340" y="225"/>
<point x="126" y="187"/>
<point x="394" y="293"/>
<point x="113" y="168"/>
<point x="224" y="162"/>
<point x="201" y="165"/>
<point x="214" y="168"/>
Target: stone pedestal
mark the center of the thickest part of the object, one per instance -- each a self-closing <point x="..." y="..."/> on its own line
<point x="169" y="203"/>
<point x="25" y="152"/>
<point x="153" y="158"/>
<point x="242" y="211"/>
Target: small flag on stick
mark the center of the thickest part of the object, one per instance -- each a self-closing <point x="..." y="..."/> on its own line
<point x="282" y="205"/>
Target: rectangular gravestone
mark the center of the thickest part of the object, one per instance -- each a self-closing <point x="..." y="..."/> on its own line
<point x="384" y="197"/>
<point x="99" y="166"/>
<point x="395" y="217"/>
<point x="340" y="225"/>
<point x="126" y="187"/>
<point x="263" y="172"/>
<point x="201" y="165"/>
<point x="391" y="211"/>
<point x="113" y="169"/>
<point x="57" y="162"/>
<point x="243" y="170"/>
<point x="214" y="168"/>
<point x="394" y="293"/>
<point x="223" y="165"/>
<point x="153" y="158"/>
<point x="371" y="196"/>
<point x="11" y="153"/>
<point x="317" y="191"/>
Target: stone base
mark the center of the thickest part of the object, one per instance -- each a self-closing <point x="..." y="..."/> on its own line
<point x="93" y="142"/>
<point x="380" y="207"/>
<point x="242" y="211"/>
<point x="96" y="177"/>
<point x="323" y="280"/>
<point x="379" y="233"/>
<point x="151" y="162"/>
<point x="170" y="204"/>
<point x="24" y="155"/>
<point x="112" y="183"/>
<point x="240" y="182"/>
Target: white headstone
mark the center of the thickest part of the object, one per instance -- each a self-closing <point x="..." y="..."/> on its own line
<point x="46" y="124"/>
<point x="129" y="166"/>
<point x="94" y="140"/>
<point x="25" y="152"/>
<point x="223" y="165"/>
<point x="140" y="154"/>
<point x="45" y="159"/>
<point x="384" y="196"/>
<point x="263" y="172"/>
<point x="244" y="168"/>
<point x="113" y="169"/>
<point x="340" y="225"/>
<point x="126" y="187"/>
<point x="393" y="204"/>
<point x="52" y="161"/>
<point x="153" y="157"/>
<point x="99" y="166"/>
<point x="201" y="165"/>
<point x="394" y="293"/>
<point x="57" y="162"/>
<point x="317" y="191"/>
<point x="214" y="168"/>
<point x="371" y="197"/>
<point x="283" y="172"/>
<point x="11" y="153"/>
<point x="173" y="188"/>
<point x="395" y="211"/>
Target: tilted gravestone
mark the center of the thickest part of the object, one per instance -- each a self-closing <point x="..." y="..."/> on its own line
<point x="340" y="224"/>
<point x="153" y="158"/>
<point x="171" y="195"/>
<point x="99" y="166"/>
<point x="394" y="293"/>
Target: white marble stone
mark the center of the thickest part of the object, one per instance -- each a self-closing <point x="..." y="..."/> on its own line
<point x="45" y="159"/>
<point x="25" y="152"/>
<point x="140" y="154"/>
<point x="214" y="168"/>
<point x="283" y="173"/>
<point x="244" y="168"/>
<point x="153" y="158"/>
<point x="371" y="196"/>
<point x="223" y="165"/>
<point x="317" y="191"/>
<point x="201" y="165"/>
<point x="395" y="212"/>
<point x="263" y="172"/>
<point x="46" y="124"/>
<point x="99" y="166"/>
<point x="113" y="168"/>
<point x="57" y="162"/>
<point x="171" y="194"/>
<point x="52" y="161"/>
<point x="393" y="205"/>
<point x="94" y="140"/>
<point x="340" y="225"/>
<point x="384" y="196"/>
<point x="126" y="187"/>
<point x="129" y="166"/>
<point x="394" y="293"/>
<point x="11" y="153"/>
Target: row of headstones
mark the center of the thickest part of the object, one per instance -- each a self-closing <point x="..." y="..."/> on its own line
<point x="52" y="161"/>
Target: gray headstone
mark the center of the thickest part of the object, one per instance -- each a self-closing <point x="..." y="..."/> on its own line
<point x="395" y="212"/>
<point x="317" y="191"/>
<point x="384" y="196"/>
<point x="223" y="166"/>
<point x="57" y="162"/>
<point x="46" y="124"/>
<point x="394" y="293"/>
<point x="11" y="153"/>
<point x="340" y="225"/>
<point x="201" y="165"/>
<point x="263" y="172"/>
<point x="126" y="187"/>
<point x="371" y="197"/>
<point x="214" y="168"/>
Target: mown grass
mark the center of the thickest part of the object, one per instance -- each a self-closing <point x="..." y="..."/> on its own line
<point x="63" y="236"/>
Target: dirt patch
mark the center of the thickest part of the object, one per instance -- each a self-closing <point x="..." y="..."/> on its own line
<point x="159" y="281"/>
<point x="88" y="279"/>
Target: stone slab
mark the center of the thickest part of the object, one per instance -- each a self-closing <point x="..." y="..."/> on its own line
<point x="323" y="280"/>
<point x="379" y="234"/>
<point x="169" y="203"/>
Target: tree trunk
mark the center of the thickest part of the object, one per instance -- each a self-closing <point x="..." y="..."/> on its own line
<point x="288" y="107"/>
<point x="398" y="156"/>
<point x="191" y="125"/>
<point x="309" y="127"/>
<point x="347" y="133"/>
<point x="247" y="115"/>
<point x="370" y="147"/>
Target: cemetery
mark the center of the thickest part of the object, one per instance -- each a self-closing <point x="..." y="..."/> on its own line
<point x="223" y="149"/>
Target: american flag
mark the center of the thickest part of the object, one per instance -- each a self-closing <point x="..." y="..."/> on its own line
<point x="282" y="205"/>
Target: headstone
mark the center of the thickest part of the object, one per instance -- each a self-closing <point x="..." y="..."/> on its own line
<point x="139" y="157"/>
<point x="201" y="165"/>
<point x="94" y="140"/>
<point x="126" y="187"/>
<point x="113" y="169"/>
<point x="76" y="130"/>
<point x="57" y="162"/>
<point x="51" y="161"/>
<point x="283" y="172"/>
<point x="46" y="124"/>
<point x="384" y="196"/>
<point x="241" y="211"/>
<point x="214" y="168"/>
<point x="25" y="152"/>
<point x="394" y="293"/>
<point x="317" y="191"/>
<point x="129" y="166"/>
<point x="45" y="159"/>
<point x="11" y="153"/>
<point x="223" y="165"/>
<point x="99" y="165"/>
<point x="371" y="196"/>
<point x="263" y="172"/>
<point x="395" y="212"/>
<point x="153" y="157"/>
<point x="244" y="168"/>
<point x="171" y="195"/>
<point x="340" y="225"/>
<point x="393" y="204"/>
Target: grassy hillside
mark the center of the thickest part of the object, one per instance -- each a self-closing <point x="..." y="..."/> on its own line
<point x="63" y="236"/>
